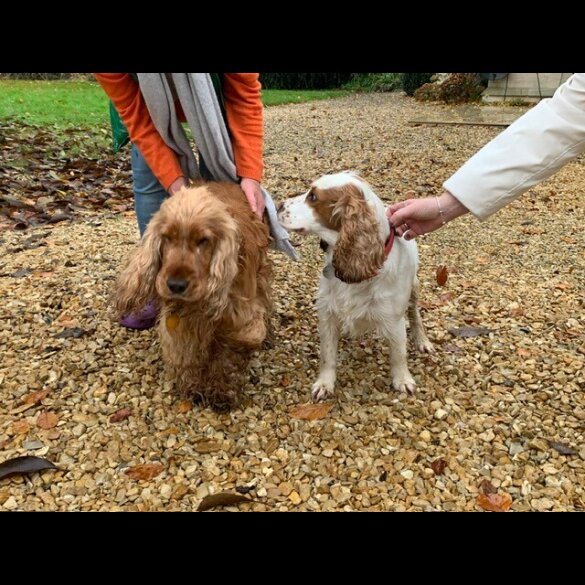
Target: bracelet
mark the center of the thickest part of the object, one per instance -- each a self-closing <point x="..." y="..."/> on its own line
<point x="442" y="215"/>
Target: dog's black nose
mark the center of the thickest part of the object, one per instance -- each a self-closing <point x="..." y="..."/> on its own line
<point x="177" y="285"/>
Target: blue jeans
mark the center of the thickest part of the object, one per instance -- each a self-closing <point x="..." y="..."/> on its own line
<point x="149" y="194"/>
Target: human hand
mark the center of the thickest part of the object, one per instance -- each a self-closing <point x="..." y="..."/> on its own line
<point x="417" y="217"/>
<point x="176" y="185"/>
<point x="253" y="193"/>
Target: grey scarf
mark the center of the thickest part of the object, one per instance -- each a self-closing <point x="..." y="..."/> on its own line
<point x="197" y="97"/>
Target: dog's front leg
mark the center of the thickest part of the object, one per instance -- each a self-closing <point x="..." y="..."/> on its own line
<point x="402" y="380"/>
<point x="324" y="387"/>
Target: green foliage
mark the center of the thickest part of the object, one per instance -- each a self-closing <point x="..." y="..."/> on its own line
<point x="374" y="82"/>
<point x="304" y="80"/>
<point x="85" y="104"/>
<point x="412" y="81"/>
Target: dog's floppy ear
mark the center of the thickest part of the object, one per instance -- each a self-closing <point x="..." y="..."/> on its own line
<point x="224" y="264"/>
<point x="135" y="285"/>
<point x="359" y="253"/>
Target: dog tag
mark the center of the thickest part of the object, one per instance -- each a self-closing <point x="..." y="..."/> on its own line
<point x="172" y="321"/>
<point x="328" y="271"/>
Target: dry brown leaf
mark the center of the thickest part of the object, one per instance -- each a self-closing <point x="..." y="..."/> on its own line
<point x="438" y="466"/>
<point x="221" y="499"/>
<point x="120" y="415"/>
<point x="470" y="331"/>
<point x="442" y="275"/>
<point x="562" y="448"/>
<point x="145" y="472"/>
<point x="35" y="397"/>
<point x="20" y="427"/>
<point x="311" y="411"/>
<point x="47" y="420"/>
<point x="487" y="487"/>
<point x="24" y="465"/>
<point x="184" y="406"/>
<point x="495" y="502"/>
<point x="446" y="297"/>
<point x="207" y="446"/>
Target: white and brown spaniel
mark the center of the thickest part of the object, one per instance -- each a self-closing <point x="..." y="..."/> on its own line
<point x="369" y="282"/>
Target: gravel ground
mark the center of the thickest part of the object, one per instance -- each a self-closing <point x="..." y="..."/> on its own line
<point x="487" y="407"/>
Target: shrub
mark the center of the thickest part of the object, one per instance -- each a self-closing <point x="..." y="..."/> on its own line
<point x="456" y="89"/>
<point x="412" y="81"/>
<point x="374" y="82"/>
<point x="304" y="80"/>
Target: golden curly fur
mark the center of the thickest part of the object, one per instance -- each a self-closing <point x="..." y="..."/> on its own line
<point x="204" y="258"/>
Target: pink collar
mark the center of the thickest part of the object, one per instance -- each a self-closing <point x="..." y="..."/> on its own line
<point x="389" y="241"/>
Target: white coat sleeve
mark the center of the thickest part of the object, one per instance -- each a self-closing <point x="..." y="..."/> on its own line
<point x="530" y="150"/>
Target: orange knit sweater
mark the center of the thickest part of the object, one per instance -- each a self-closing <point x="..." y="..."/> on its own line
<point x="244" y="118"/>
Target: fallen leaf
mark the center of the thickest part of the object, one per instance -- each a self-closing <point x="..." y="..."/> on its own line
<point x="442" y="275"/>
<point x="495" y="502"/>
<point x="59" y="217"/>
<point x="75" y="332"/>
<point x="184" y="406"/>
<point x="120" y="415"/>
<point x="221" y="499"/>
<point x="21" y="273"/>
<point x="47" y="420"/>
<point x="446" y="297"/>
<point x="311" y="411"/>
<point x="438" y="466"/>
<point x="562" y="448"/>
<point x="145" y="472"/>
<point x="207" y="446"/>
<point x="451" y="348"/>
<point x="24" y="465"/>
<point x="469" y="331"/>
<point x="35" y="397"/>
<point x="20" y="427"/>
<point x="30" y="400"/>
<point x="487" y="487"/>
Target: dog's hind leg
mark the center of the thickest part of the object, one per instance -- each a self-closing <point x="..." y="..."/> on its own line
<point x="417" y="329"/>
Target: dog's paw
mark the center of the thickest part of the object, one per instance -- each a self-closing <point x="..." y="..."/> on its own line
<point x="425" y="346"/>
<point x="404" y="383"/>
<point x="322" y="390"/>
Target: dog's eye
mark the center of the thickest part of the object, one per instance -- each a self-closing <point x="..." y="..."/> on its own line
<point x="202" y="241"/>
<point x="311" y="196"/>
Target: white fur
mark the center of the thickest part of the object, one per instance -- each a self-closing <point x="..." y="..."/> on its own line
<point x="379" y="304"/>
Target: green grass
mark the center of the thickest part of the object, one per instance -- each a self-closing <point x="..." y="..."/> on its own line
<point x="84" y="104"/>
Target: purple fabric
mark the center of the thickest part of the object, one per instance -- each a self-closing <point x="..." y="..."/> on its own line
<point x="144" y="319"/>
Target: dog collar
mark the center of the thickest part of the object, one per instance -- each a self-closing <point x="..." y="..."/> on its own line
<point x="389" y="241"/>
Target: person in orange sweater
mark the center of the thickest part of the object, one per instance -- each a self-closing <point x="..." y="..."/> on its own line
<point x="155" y="168"/>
